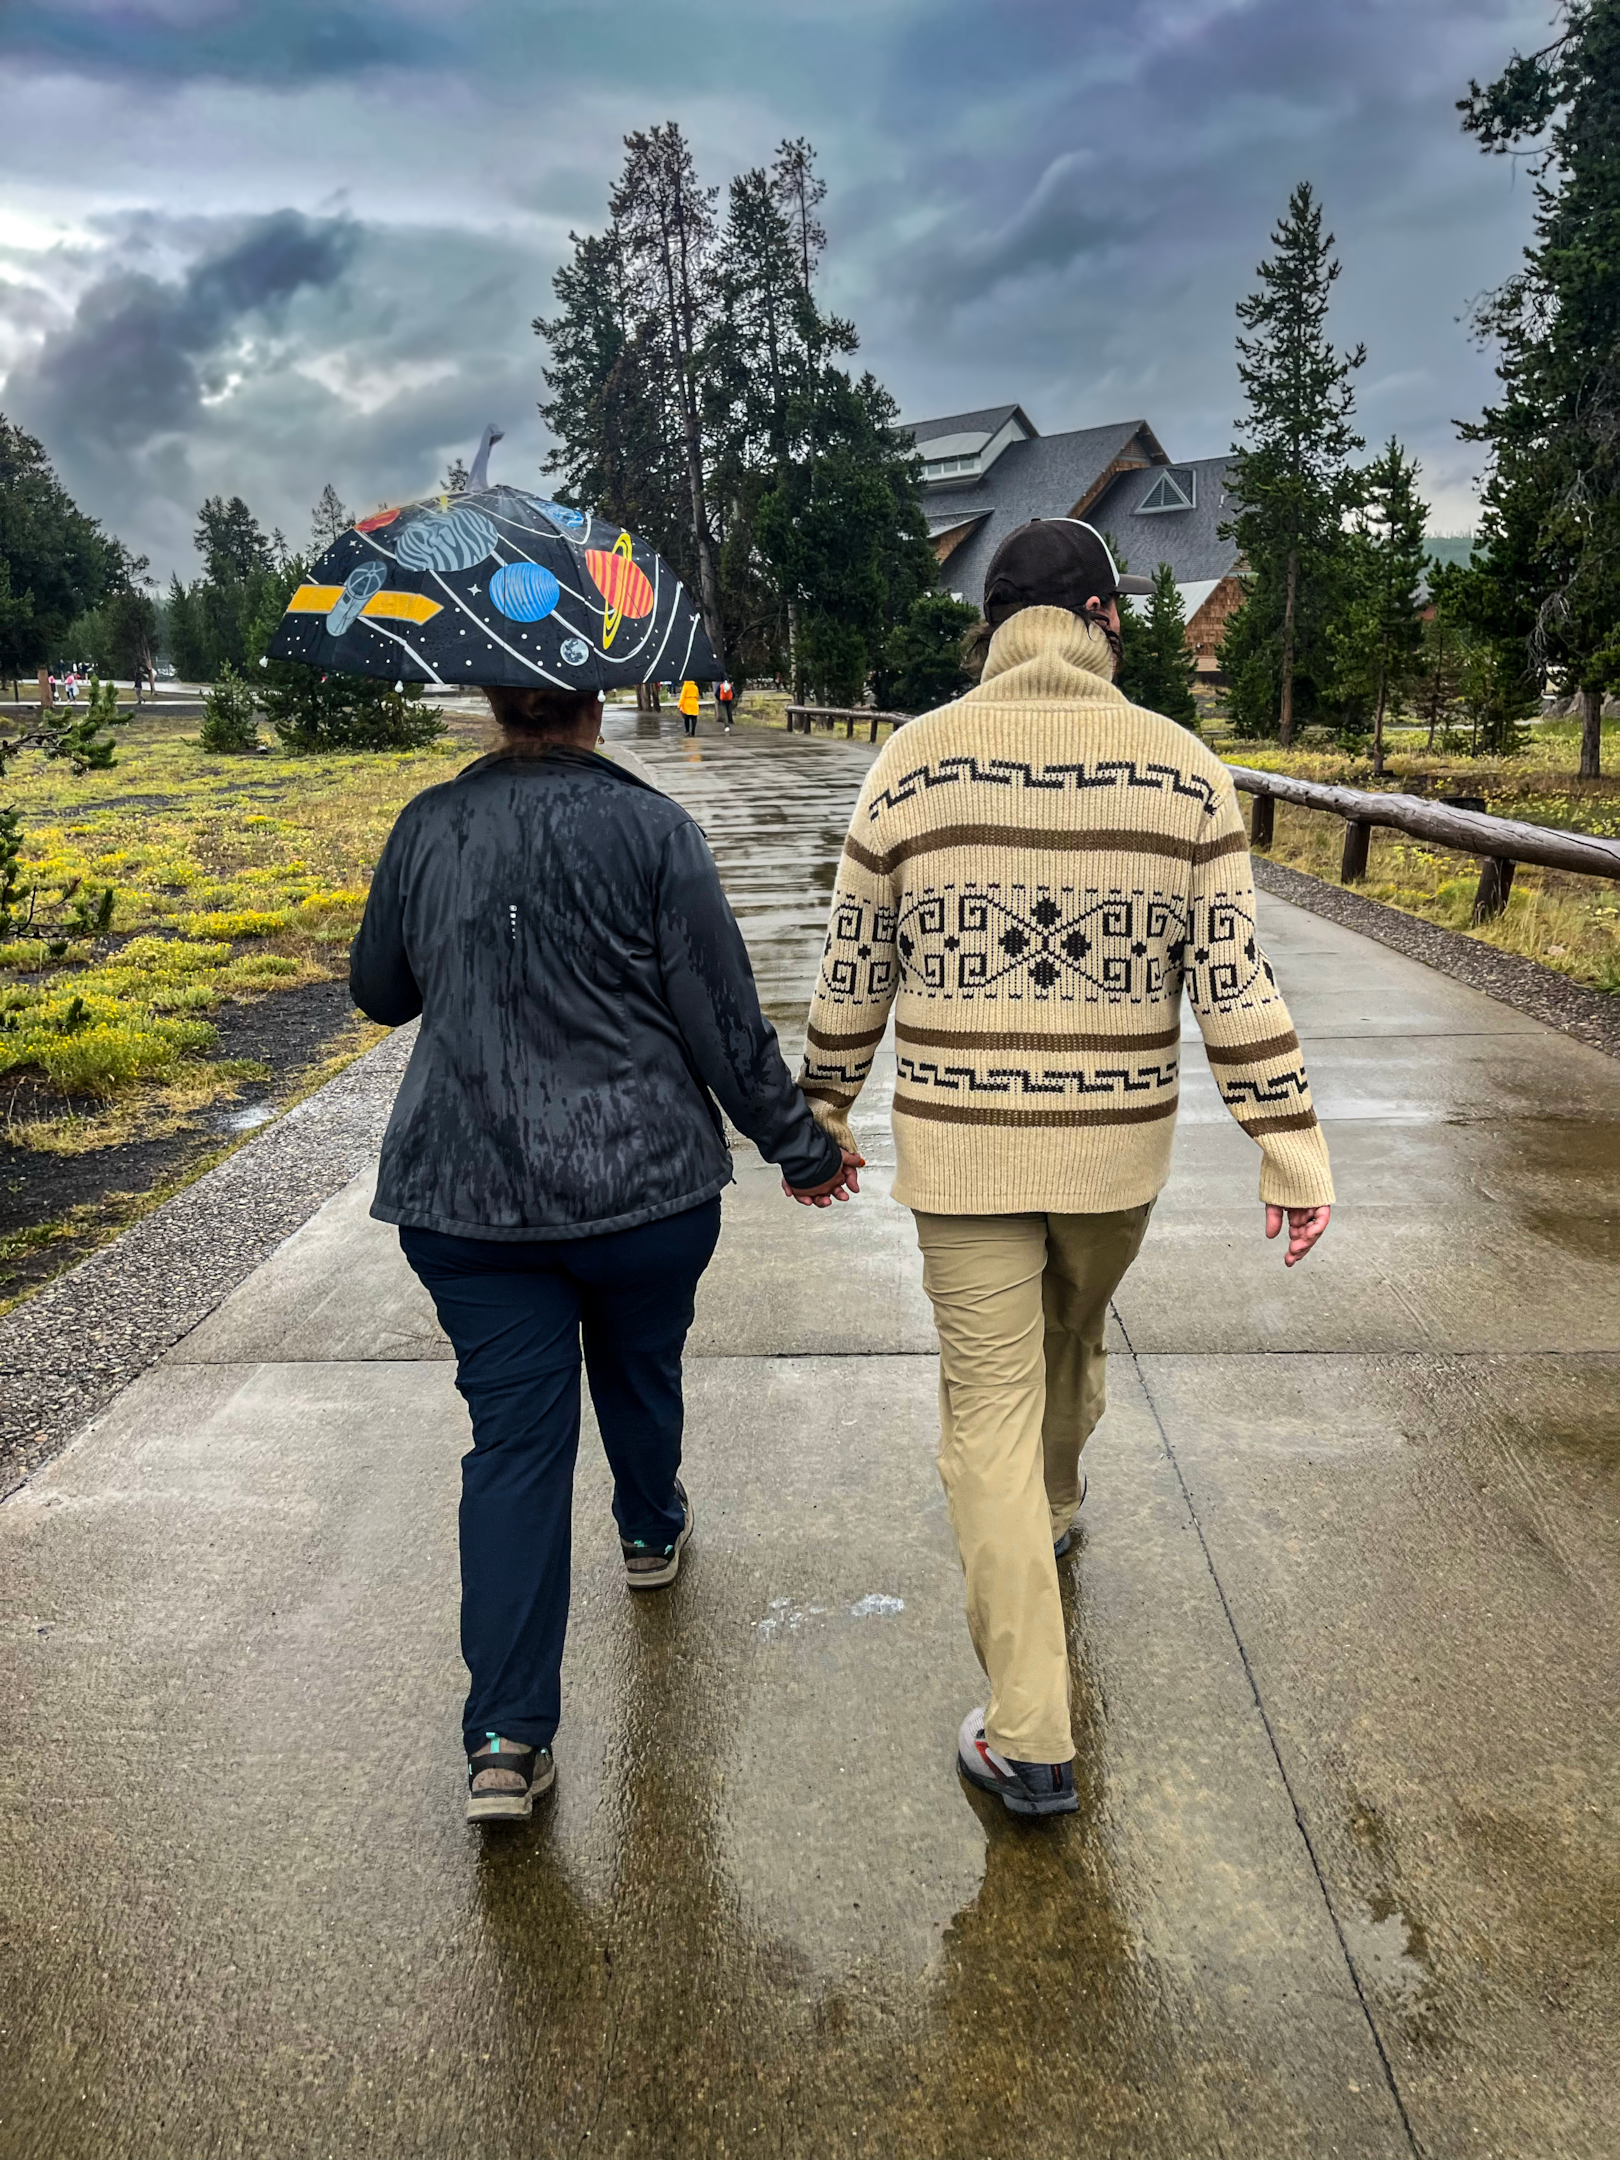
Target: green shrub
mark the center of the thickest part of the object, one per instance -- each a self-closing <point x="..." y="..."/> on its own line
<point x="230" y="725"/>
<point x="922" y="664"/>
<point x="312" y="712"/>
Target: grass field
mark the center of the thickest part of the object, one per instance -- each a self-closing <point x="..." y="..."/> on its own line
<point x="237" y="884"/>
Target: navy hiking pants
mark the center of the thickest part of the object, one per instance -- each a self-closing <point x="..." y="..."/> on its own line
<point x="515" y="1314"/>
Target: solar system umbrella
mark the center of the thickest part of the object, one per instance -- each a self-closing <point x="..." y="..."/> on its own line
<point x="496" y="586"/>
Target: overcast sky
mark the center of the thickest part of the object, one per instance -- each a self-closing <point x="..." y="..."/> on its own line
<point x="254" y="245"/>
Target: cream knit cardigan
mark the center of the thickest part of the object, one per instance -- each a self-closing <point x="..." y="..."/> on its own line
<point x="1032" y="877"/>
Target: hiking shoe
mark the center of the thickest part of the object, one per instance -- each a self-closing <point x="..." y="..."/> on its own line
<point x="1067" y="1539"/>
<point x="650" y="1567"/>
<point x="1024" y="1788"/>
<point x="504" y="1779"/>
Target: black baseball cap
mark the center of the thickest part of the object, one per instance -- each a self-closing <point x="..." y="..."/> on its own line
<point x="1053" y="562"/>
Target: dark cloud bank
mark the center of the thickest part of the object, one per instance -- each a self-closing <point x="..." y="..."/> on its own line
<point x="1039" y="201"/>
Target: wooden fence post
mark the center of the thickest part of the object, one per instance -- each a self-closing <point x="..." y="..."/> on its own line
<point x="1495" y="884"/>
<point x="1263" y="821"/>
<point x="1353" y="868"/>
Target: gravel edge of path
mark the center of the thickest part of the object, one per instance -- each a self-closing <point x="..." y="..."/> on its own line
<point x="68" y="1350"/>
<point x="1591" y="1016"/>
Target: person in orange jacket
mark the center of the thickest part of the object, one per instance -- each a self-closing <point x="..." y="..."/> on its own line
<point x="689" y="707"/>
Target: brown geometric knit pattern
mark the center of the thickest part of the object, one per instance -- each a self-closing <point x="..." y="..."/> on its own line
<point x="1033" y="877"/>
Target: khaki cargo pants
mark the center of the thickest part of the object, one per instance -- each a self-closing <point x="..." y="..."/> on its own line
<point x="1020" y="1302"/>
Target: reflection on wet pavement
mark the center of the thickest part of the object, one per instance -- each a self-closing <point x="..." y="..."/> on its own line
<point x="775" y="812"/>
<point x="1346" y="1878"/>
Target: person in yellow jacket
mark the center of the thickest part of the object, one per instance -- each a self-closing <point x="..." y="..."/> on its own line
<point x="689" y="707"/>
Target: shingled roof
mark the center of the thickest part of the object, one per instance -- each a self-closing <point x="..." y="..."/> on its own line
<point x="1102" y="474"/>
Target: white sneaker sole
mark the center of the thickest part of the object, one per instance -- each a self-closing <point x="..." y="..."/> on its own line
<point x="672" y="1567"/>
<point x="510" y="1806"/>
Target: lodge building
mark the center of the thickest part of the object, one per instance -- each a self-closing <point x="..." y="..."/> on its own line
<point x="986" y="472"/>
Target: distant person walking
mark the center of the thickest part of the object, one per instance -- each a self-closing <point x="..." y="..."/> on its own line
<point x="689" y="707"/>
<point x="555" y="1163"/>
<point x="1033" y="877"/>
<point x="725" y="699"/>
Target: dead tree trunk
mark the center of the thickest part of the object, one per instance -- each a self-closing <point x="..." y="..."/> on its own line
<point x="1591" y="734"/>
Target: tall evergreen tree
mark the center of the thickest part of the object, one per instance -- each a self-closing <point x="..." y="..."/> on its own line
<point x="328" y="521"/>
<point x="1291" y="476"/>
<point x="618" y="449"/>
<point x="55" y="563"/>
<point x="231" y="541"/>
<point x="1159" y="669"/>
<point x="211" y="620"/>
<point x="1381" y="633"/>
<point x="1549" y="548"/>
<point x="811" y="503"/>
<point x="666" y="222"/>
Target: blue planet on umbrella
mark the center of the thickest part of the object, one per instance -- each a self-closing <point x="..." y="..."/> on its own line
<point x="524" y="591"/>
<point x="560" y="514"/>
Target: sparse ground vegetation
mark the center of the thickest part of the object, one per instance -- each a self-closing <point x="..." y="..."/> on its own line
<point x="1571" y="924"/>
<point x="234" y="882"/>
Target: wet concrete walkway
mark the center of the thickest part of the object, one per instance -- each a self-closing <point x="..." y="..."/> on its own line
<point x="1347" y="1876"/>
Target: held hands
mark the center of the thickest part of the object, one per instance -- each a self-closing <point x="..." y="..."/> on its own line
<point x="836" y="1188"/>
<point x="1305" y="1226"/>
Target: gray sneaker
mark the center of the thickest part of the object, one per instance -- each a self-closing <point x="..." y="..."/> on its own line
<point x="650" y="1567"/>
<point x="505" y="1778"/>
<point x="1067" y="1539"/>
<point x="1023" y="1788"/>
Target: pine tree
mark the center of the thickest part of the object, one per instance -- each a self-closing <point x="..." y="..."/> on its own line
<point x="1549" y="545"/>
<point x="1291" y="476"/>
<point x="231" y="541"/>
<point x="811" y="504"/>
<point x="618" y="450"/>
<point x="667" y="226"/>
<point x="1159" y="669"/>
<point x="1381" y="633"/>
<point x="328" y="521"/>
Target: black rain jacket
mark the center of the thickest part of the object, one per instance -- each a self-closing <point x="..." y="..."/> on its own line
<point x="583" y="987"/>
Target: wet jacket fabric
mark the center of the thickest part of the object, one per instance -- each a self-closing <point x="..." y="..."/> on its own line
<point x="584" y="993"/>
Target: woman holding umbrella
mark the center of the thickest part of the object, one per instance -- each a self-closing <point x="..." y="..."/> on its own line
<point x="555" y="1157"/>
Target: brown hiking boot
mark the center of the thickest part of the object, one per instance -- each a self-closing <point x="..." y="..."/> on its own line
<point x="650" y="1567"/>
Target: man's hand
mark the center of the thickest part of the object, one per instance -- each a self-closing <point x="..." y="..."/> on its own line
<point x="1305" y="1226"/>
<point x="835" y="1188"/>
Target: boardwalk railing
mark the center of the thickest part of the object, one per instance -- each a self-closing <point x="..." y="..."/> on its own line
<point x="832" y="716"/>
<point x="1500" y="843"/>
<point x="1462" y="824"/>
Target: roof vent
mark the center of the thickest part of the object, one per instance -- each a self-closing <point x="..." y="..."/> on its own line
<point x="1175" y="489"/>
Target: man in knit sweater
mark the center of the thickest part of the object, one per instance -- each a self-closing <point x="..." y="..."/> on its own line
<point x="1032" y="878"/>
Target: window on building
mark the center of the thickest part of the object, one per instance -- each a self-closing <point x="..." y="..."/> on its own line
<point x="1175" y="489"/>
<point x="944" y="468"/>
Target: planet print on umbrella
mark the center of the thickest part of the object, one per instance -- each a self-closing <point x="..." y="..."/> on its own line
<point x="458" y="539"/>
<point x="623" y="584"/>
<point x="559" y="513"/>
<point x="361" y="583"/>
<point x="524" y="591"/>
<point x="574" y="652"/>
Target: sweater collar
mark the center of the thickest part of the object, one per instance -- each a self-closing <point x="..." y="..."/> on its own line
<point x="1052" y="653"/>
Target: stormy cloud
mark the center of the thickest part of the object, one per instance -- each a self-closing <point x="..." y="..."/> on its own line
<point x="311" y="238"/>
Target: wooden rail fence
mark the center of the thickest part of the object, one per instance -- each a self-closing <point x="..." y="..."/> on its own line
<point x="1460" y="823"/>
<point x="1500" y="843"/>
<point x="809" y="716"/>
